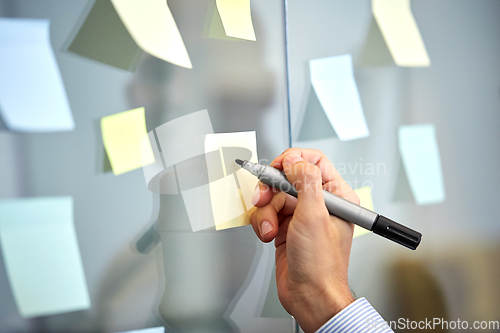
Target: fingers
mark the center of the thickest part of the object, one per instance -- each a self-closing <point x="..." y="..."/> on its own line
<point x="343" y="190"/>
<point x="266" y="219"/>
<point x="313" y="156"/>
<point x="262" y="195"/>
<point x="332" y="180"/>
<point x="306" y="178"/>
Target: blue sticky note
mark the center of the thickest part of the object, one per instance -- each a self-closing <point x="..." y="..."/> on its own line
<point x="32" y="93"/>
<point x="420" y="154"/>
<point x="41" y="255"/>
<point x="148" y="330"/>
<point x="333" y="81"/>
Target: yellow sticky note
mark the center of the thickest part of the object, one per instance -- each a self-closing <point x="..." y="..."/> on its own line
<point x="220" y="189"/>
<point x="122" y="134"/>
<point x="236" y="17"/>
<point x="400" y="32"/>
<point x="152" y="26"/>
<point x="226" y="201"/>
<point x="365" y="198"/>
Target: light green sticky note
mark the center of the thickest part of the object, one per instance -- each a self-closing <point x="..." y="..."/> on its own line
<point x="420" y="154"/>
<point x="41" y="255"/>
<point x="122" y="134"/>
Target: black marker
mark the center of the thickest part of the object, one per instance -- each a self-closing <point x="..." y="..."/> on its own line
<point x="339" y="207"/>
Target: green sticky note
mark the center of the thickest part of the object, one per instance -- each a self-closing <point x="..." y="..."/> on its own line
<point x="41" y="255"/>
<point x="103" y="37"/>
<point x="420" y="154"/>
<point x="126" y="141"/>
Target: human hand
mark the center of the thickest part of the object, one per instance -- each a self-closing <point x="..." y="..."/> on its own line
<point x="312" y="247"/>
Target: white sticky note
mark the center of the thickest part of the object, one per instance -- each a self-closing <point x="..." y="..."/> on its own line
<point x="420" y="154"/>
<point x="400" y="31"/>
<point x="32" y="93"/>
<point x="148" y="330"/>
<point x="152" y="26"/>
<point x="236" y="18"/>
<point x="184" y="137"/>
<point x="333" y="81"/>
<point x="41" y="255"/>
<point x="366" y="201"/>
<point x="148" y="144"/>
<point x="158" y="179"/>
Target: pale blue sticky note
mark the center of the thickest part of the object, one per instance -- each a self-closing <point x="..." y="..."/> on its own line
<point x="41" y="255"/>
<point x="333" y="81"/>
<point x="148" y="330"/>
<point x="420" y="154"/>
<point x="32" y="93"/>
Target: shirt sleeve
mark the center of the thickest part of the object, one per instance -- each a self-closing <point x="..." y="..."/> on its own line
<point x="357" y="317"/>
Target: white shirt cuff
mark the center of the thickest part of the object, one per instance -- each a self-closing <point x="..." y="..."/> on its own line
<point x="359" y="317"/>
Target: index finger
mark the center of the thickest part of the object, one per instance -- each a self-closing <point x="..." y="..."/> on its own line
<point x="328" y="171"/>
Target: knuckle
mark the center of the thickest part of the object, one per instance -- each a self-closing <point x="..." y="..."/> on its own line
<point x="312" y="172"/>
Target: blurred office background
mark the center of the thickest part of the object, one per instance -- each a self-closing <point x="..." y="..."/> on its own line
<point x="264" y="86"/>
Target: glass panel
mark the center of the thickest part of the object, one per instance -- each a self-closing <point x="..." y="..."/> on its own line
<point x="453" y="274"/>
<point x="143" y="264"/>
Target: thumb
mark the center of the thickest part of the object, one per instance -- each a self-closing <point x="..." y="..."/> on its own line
<point x="306" y="178"/>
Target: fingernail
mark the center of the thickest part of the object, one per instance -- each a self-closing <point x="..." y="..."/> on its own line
<point x="265" y="228"/>
<point x="292" y="158"/>
<point x="256" y="195"/>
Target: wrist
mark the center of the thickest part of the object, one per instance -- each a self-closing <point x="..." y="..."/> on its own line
<point x="314" y="312"/>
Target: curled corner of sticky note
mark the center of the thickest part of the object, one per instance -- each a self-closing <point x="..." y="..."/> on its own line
<point x="152" y="26"/>
<point x="236" y="18"/>
<point x="400" y="32"/>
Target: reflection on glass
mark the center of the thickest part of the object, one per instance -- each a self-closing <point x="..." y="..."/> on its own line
<point x="204" y="270"/>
